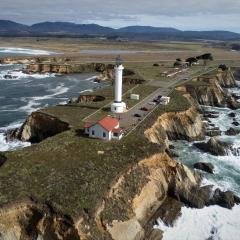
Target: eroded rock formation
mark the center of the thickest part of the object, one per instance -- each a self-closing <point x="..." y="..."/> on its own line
<point x="38" y="127"/>
<point x="27" y="220"/>
<point x="186" y="125"/>
<point x="209" y="90"/>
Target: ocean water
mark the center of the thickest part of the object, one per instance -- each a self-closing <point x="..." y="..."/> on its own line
<point x="214" y="222"/>
<point x="10" y="51"/>
<point x="22" y="94"/>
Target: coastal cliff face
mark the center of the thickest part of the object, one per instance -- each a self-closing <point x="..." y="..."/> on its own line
<point x="210" y="90"/>
<point x="137" y="194"/>
<point x="124" y="214"/>
<point x="226" y="79"/>
<point x="132" y="201"/>
<point x="38" y="127"/>
<point x="30" y="221"/>
<point x="186" y="125"/>
<point x="67" y="67"/>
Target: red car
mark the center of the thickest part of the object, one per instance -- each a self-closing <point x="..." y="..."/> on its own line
<point x="144" y="109"/>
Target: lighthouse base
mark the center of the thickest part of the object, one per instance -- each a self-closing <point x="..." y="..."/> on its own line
<point x="118" y="107"/>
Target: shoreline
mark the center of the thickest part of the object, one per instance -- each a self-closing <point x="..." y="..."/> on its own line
<point x="160" y="129"/>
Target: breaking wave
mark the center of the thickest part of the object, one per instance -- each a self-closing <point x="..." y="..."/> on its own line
<point x="25" y="51"/>
<point x="12" y="145"/>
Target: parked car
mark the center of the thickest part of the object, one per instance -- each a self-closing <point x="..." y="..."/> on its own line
<point x="137" y="115"/>
<point x="144" y="109"/>
<point x="152" y="103"/>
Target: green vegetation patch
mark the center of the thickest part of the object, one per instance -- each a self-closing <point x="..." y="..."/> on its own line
<point x="68" y="171"/>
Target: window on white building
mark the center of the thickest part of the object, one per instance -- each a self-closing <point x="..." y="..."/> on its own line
<point x="104" y="134"/>
<point x="93" y="132"/>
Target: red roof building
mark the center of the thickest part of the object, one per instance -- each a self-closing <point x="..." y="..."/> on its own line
<point x="107" y="128"/>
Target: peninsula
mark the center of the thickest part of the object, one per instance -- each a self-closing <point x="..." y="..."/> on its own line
<point x="69" y="186"/>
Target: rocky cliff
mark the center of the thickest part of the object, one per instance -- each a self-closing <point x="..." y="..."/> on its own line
<point x="125" y="213"/>
<point x="37" y="127"/>
<point x="68" y="67"/>
<point x="28" y="220"/>
<point x="185" y="125"/>
<point x="210" y="90"/>
<point x="138" y="194"/>
<point x="154" y="186"/>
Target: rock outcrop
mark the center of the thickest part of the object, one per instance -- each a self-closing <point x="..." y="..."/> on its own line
<point x="218" y="148"/>
<point x="2" y="159"/>
<point x="186" y="125"/>
<point x="38" y="127"/>
<point x="207" y="167"/>
<point x="133" y="203"/>
<point x="86" y="98"/>
<point x="226" y="79"/>
<point x="30" y="221"/>
<point x="224" y="199"/>
<point x="209" y="90"/>
<point x="232" y="131"/>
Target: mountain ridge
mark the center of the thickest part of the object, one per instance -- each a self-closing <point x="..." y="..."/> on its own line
<point x="11" y="28"/>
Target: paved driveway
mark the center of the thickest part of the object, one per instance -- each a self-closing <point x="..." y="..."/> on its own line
<point x="128" y="121"/>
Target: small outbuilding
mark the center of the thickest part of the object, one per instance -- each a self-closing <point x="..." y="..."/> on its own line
<point x="106" y="129"/>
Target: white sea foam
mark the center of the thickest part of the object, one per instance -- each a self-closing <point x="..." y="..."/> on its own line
<point x="34" y="103"/>
<point x="213" y="222"/>
<point x="91" y="78"/>
<point x="26" y="51"/>
<point x="16" y="75"/>
<point x="87" y="90"/>
<point x="12" y="145"/>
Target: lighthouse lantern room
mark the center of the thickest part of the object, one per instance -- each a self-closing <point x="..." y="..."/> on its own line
<point x="118" y="106"/>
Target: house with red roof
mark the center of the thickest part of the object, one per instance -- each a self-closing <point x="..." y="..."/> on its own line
<point x="106" y="129"/>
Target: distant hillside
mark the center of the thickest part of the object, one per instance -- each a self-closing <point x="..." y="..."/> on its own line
<point x="9" y="28"/>
<point x="70" y="28"/>
<point x="147" y="29"/>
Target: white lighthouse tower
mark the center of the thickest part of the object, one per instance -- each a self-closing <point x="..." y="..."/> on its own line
<point x="118" y="106"/>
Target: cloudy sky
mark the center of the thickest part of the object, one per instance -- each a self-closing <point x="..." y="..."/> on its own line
<point x="185" y="14"/>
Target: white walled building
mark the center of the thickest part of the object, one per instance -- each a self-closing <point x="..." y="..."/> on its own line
<point x="106" y="129"/>
<point x="118" y="106"/>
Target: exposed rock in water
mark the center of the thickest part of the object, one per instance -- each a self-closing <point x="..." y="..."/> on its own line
<point x="218" y="148"/>
<point x="210" y="115"/>
<point x="38" y="127"/>
<point x="232" y="103"/>
<point x="194" y="197"/>
<point x="207" y="167"/>
<point x="2" y="159"/>
<point x="232" y="131"/>
<point x="87" y="98"/>
<point x="9" y="76"/>
<point x="213" y="133"/>
<point x="224" y="199"/>
<point x="214" y="146"/>
<point x="169" y="211"/>
<point x="155" y="234"/>
<point x="232" y="115"/>
<point x="235" y="123"/>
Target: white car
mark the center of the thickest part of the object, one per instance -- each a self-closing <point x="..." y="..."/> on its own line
<point x="152" y="103"/>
